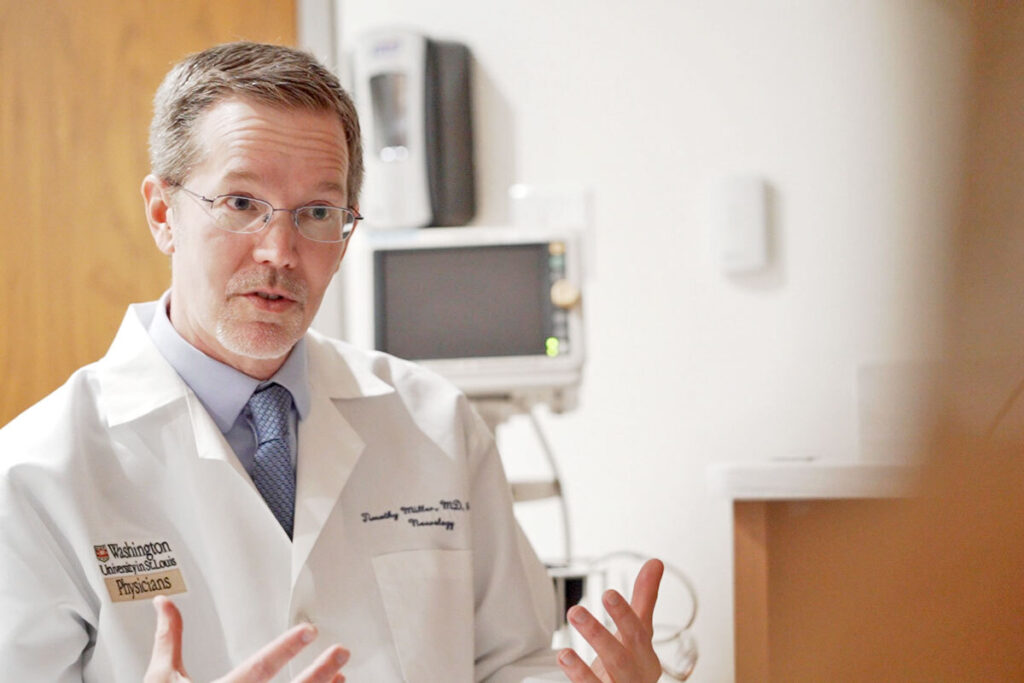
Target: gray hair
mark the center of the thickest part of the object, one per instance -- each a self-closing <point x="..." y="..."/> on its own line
<point x="271" y="74"/>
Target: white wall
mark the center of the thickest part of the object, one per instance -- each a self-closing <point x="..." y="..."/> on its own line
<point x="847" y="108"/>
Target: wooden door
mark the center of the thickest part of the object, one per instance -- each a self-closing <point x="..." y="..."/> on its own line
<point x="76" y="85"/>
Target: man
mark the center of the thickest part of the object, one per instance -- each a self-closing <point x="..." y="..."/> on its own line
<point x="271" y="480"/>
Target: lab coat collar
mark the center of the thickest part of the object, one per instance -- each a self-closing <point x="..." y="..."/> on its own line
<point x="346" y="380"/>
<point x="134" y="378"/>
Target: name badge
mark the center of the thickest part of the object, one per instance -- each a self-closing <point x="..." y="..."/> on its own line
<point x="137" y="570"/>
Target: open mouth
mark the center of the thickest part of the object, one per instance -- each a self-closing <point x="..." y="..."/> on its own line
<point x="271" y="301"/>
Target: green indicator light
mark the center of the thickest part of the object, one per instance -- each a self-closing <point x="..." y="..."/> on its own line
<point x="551" y="346"/>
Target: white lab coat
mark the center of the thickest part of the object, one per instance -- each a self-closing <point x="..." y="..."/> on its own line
<point x="123" y="457"/>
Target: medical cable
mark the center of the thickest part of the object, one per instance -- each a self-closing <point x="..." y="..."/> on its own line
<point x="556" y="475"/>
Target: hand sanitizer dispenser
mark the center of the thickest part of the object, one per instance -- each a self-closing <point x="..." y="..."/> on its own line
<point x="413" y="98"/>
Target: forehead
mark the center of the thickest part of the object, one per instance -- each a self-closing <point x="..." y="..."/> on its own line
<point x="270" y="144"/>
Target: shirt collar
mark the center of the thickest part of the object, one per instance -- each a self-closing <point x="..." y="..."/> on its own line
<point x="222" y="389"/>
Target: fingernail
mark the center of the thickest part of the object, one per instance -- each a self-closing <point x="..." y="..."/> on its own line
<point x="577" y="616"/>
<point x="340" y="657"/>
<point x="309" y="634"/>
<point x="612" y="598"/>
<point x="567" y="657"/>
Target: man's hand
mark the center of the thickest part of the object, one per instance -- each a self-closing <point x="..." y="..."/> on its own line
<point x="627" y="656"/>
<point x="165" y="666"/>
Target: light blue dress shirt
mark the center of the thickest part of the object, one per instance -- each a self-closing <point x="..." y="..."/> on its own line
<point x="225" y="391"/>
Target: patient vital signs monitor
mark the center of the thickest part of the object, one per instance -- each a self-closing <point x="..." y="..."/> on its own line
<point x="497" y="311"/>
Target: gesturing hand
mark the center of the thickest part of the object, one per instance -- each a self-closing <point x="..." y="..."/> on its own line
<point x="165" y="665"/>
<point x="627" y="656"/>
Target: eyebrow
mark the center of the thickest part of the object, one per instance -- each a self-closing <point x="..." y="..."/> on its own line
<point x="331" y="186"/>
<point x="252" y="176"/>
<point x="243" y="175"/>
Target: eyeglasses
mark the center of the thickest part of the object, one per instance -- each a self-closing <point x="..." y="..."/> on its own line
<point x="317" y="222"/>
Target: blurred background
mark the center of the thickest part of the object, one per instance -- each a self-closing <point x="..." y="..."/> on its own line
<point x="859" y="117"/>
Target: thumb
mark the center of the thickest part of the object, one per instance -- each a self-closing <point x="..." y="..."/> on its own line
<point x="165" y="664"/>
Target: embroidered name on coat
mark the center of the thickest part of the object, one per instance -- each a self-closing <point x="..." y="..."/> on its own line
<point x="442" y="513"/>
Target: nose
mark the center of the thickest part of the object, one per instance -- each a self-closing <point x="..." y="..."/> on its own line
<point x="276" y="243"/>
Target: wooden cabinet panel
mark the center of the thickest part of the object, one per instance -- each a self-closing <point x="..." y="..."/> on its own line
<point x="76" y="85"/>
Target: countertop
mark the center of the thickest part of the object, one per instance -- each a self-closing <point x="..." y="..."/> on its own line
<point x="810" y="479"/>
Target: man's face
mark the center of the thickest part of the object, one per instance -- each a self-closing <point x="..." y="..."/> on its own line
<point x="225" y="286"/>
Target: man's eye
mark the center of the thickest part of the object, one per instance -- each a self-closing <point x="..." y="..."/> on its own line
<point x="239" y="203"/>
<point x="319" y="213"/>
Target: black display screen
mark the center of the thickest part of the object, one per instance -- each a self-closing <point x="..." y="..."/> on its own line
<point x="463" y="302"/>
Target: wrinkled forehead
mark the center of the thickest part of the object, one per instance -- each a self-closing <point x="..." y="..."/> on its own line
<point x="251" y="141"/>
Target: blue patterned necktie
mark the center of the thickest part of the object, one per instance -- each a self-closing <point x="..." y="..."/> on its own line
<point x="271" y="409"/>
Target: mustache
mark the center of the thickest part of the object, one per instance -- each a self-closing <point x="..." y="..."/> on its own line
<point x="268" y="278"/>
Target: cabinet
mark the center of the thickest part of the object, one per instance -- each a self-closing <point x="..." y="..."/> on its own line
<point x="791" y="527"/>
<point x="76" y="87"/>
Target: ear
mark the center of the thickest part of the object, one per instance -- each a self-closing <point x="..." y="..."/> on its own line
<point x="156" y="195"/>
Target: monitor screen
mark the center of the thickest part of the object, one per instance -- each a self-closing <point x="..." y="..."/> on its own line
<point x="463" y="302"/>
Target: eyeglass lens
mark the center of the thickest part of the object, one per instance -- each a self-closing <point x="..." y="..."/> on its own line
<point x="245" y="214"/>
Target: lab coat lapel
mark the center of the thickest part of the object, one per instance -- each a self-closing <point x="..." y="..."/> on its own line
<point x="210" y="442"/>
<point x="136" y="381"/>
<point x="329" y="447"/>
<point x="328" y="451"/>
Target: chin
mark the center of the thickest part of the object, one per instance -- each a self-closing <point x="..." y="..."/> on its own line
<point x="260" y="341"/>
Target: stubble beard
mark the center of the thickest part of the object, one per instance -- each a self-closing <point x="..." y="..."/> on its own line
<point x="257" y="340"/>
<point x="256" y="334"/>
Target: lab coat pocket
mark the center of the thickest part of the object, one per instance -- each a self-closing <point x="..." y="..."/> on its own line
<point x="428" y="598"/>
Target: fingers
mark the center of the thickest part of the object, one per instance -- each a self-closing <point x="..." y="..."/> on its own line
<point x="612" y="653"/>
<point x="575" y="668"/>
<point x="263" y="665"/>
<point x="326" y="668"/>
<point x="645" y="591"/>
<point x="165" y="664"/>
<point x="632" y="631"/>
<point x="627" y="655"/>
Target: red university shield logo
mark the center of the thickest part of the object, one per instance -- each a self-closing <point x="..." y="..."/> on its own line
<point x="101" y="553"/>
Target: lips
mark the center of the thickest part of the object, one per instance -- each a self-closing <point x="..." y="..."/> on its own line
<point x="270" y="301"/>
<point x="268" y="289"/>
<point x="271" y="295"/>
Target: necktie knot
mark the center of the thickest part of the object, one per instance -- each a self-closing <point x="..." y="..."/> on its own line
<point x="271" y="409"/>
